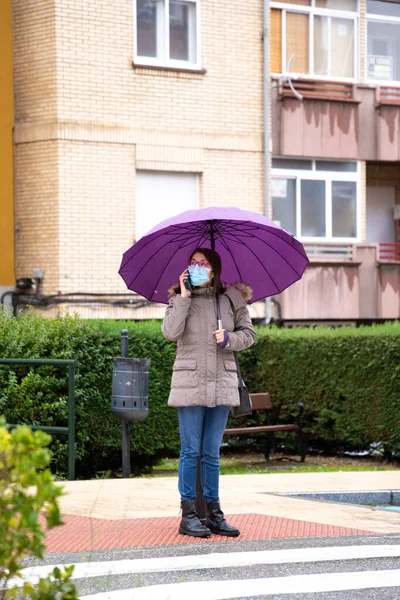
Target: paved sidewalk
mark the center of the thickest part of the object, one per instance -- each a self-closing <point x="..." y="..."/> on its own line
<point x="123" y="513"/>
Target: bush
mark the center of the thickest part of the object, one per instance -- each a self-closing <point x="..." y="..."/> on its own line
<point x="348" y="380"/>
<point x="26" y="488"/>
<point x="39" y="395"/>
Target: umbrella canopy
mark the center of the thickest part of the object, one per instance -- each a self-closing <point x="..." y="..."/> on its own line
<point x="252" y="248"/>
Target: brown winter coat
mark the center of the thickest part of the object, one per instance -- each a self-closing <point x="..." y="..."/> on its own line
<point x="205" y="374"/>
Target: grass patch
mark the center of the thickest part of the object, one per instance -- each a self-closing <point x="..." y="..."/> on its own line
<point x="242" y="464"/>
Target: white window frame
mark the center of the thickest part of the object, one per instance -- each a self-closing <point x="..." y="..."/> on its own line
<point x="379" y="19"/>
<point x="328" y="177"/>
<point x="163" y="39"/>
<point x="312" y="11"/>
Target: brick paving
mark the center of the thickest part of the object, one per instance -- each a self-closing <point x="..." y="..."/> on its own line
<point x="90" y="533"/>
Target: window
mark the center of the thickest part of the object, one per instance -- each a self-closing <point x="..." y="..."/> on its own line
<point x="167" y="33"/>
<point x="316" y="201"/>
<point x="315" y="37"/>
<point x="161" y="195"/>
<point x="383" y="41"/>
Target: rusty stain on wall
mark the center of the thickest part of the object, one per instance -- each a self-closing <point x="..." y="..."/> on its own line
<point x="390" y="115"/>
<point x="389" y="276"/>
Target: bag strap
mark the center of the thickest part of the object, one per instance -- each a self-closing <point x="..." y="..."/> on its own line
<point x="239" y="374"/>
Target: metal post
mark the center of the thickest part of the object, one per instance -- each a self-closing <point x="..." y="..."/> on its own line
<point x="124" y="343"/>
<point x="125" y="426"/>
<point x="126" y="450"/>
<point x="267" y="84"/>
<point x="71" y="422"/>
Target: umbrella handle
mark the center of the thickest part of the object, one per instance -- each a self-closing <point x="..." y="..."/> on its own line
<point x="219" y="320"/>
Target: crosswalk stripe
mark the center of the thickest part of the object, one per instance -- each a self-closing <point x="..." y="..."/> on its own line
<point x="225" y="590"/>
<point x="216" y="561"/>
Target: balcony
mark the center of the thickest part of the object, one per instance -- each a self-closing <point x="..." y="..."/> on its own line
<point x="348" y="282"/>
<point x="320" y="90"/>
<point x="329" y="252"/>
<point x="335" y="120"/>
<point x="389" y="252"/>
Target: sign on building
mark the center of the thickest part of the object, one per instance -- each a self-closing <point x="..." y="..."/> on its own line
<point x="380" y="67"/>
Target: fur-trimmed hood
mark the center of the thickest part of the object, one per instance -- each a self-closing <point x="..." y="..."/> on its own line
<point x="245" y="290"/>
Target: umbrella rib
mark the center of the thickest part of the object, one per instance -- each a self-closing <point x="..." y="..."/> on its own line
<point x="271" y="232"/>
<point x="233" y="258"/>
<point x="151" y="257"/>
<point x="159" y="279"/>
<point x="272" y="248"/>
<point x="269" y="274"/>
<point x="246" y="226"/>
<point x="255" y="255"/>
<point x="187" y="233"/>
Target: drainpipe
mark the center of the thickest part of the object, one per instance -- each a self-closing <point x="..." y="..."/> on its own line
<point x="266" y="132"/>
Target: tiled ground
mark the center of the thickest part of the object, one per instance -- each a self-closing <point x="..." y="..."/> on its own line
<point x="85" y="533"/>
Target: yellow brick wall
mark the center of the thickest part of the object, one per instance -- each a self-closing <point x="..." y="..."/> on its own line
<point x="95" y="54"/>
<point x="36" y="211"/>
<point x="34" y="53"/>
<point x="96" y="214"/>
<point x="233" y="179"/>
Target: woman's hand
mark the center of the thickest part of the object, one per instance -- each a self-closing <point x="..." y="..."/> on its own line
<point x="219" y="335"/>
<point x="184" y="292"/>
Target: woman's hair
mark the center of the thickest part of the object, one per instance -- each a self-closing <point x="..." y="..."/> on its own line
<point x="215" y="261"/>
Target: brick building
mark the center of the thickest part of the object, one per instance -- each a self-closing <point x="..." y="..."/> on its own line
<point x="129" y="112"/>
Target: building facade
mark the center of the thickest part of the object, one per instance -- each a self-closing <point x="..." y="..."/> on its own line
<point x="129" y="112"/>
<point x="335" y="173"/>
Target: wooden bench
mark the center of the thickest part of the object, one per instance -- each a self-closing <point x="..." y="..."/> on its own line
<point x="262" y="402"/>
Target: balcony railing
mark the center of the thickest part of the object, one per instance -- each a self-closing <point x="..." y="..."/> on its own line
<point x="386" y="95"/>
<point x="320" y="90"/>
<point x="389" y="252"/>
<point x="329" y="252"/>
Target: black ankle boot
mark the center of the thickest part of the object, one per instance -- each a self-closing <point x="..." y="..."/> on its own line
<point x="216" y="521"/>
<point x="190" y="523"/>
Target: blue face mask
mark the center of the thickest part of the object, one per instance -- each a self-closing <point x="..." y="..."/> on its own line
<point x="198" y="276"/>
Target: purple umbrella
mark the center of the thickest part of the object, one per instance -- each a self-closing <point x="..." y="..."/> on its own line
<point x="252" y="248"/>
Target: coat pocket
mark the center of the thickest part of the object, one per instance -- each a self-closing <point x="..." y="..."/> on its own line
<point x="229" y="380"/>
<point x="185" y="374"/>
<point x="184" y="364"/>
<point x="230" y="365"/>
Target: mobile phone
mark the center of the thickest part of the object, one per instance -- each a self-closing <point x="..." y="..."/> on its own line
<point x="188" y="283"/>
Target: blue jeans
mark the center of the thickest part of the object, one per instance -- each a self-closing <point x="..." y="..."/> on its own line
<point x="201" y="429"/>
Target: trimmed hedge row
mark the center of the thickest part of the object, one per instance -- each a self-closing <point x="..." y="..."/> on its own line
<point x="348" y="379"/>
<point x="39" y="395"/>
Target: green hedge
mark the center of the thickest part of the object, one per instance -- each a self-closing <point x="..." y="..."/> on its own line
<point x="38" y="395"/>
<point x="348" y="380"/>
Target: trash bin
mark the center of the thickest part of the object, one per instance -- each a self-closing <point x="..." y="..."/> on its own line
<point x="130" y="384"/>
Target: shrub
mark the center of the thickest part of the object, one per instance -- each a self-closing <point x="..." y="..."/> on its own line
<point x="39" y="395"/>
<point x="26" y="489"/>
<point x="348" y="380"/>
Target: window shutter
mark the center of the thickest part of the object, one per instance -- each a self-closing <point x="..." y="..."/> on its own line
<point x="297" y="31"/>
<point x="276" y="41"/>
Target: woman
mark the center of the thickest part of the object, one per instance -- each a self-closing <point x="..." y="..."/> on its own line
<point x="204" y="381"/>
